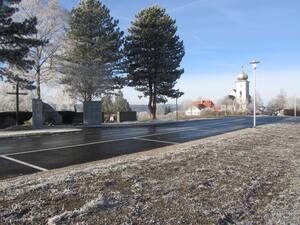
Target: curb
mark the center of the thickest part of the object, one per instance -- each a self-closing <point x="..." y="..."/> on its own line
<point x="141" y="124"/>
<point x="37" y="133"/>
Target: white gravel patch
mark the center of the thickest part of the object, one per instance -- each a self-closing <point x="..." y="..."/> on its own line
<point x="246" y="177"/>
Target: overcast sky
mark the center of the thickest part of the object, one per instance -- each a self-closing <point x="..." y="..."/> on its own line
<point x="220" y="36"/>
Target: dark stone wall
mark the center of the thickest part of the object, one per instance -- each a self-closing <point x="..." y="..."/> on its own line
<point x="71" y="117"/>
<point x="126" y="116"/>
<point x="8" y="119"/>
<point x="290" y="112"/>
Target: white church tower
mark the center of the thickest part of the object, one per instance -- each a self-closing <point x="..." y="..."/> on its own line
<point x="241" y="94"/>
<point x="242" y="91"/>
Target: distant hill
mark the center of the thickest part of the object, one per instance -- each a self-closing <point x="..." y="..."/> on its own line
<point x="144" y="108"/>
<point x="139" y="108"/>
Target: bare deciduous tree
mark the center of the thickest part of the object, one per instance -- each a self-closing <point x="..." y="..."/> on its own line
<point x="52" y="23"/>
<point x="278" y="103"/>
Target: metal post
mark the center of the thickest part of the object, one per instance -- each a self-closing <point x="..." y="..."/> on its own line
<point x="254" y="98"/>
<point x="254" y="65"/>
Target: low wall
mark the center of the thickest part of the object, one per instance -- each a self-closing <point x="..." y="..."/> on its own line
<point x="8" y="119"/>
<point x="290" y="112"/>
<point x="126" y="116"/>
<point x="71" y="117"/>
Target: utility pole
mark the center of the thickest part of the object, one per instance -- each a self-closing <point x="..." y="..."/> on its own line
<point x="17" y="93"/>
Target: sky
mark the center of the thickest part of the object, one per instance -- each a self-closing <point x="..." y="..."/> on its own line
<point x="221" y="36"/>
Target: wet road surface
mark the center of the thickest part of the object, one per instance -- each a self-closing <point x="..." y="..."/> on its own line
<point x="28" y="155"/>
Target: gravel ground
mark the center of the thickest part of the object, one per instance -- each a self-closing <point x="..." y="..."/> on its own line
<point x="245" y="177"/>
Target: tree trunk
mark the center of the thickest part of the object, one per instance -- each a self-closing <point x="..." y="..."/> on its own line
<point x="154" y="112"/>
<point x="150" y="104"/>
<point x="150" y="107"/>
<point x="154" y="103"/>
<point x="38" y="82"/>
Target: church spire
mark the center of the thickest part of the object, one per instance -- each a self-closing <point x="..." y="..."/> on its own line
<point x="243" y="71"/>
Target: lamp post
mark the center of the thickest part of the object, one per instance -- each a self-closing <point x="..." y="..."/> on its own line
<point x="295" y="107"/>
<point x="254" y="65"/>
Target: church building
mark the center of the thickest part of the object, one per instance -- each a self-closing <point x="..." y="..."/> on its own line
<point x="240" y="95"/>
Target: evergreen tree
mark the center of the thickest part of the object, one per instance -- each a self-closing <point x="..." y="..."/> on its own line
<point x="107" y="105"/>
<point x="153" y="56"/>
<point x="121" y="104"/>
<point x="15" y="42"/>
<point x="92" y="57"/>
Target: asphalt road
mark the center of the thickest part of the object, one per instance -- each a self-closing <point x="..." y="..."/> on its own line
<point x="28" y="155"/>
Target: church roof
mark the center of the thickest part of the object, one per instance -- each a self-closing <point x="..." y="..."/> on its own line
<point x="204" y="104"/>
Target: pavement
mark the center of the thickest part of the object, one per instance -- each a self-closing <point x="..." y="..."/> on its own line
<point x="28" y="131"/>
<point x="27" y="155"/>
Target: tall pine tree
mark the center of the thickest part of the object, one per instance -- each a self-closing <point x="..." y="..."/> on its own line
<point x="93" y="54"/>
<point x="153" y="56"/>
<point x="15" y="41"/>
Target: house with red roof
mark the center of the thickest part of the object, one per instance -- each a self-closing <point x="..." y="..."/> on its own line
<point x="198" y="106"/>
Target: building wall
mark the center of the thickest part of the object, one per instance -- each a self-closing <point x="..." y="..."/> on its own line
<point x="193" y="111"/>
<point x="242" y="92"/>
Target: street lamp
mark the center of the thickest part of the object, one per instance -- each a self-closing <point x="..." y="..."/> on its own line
<point x="254" y="65"/>
<point x="295" y="107"/>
